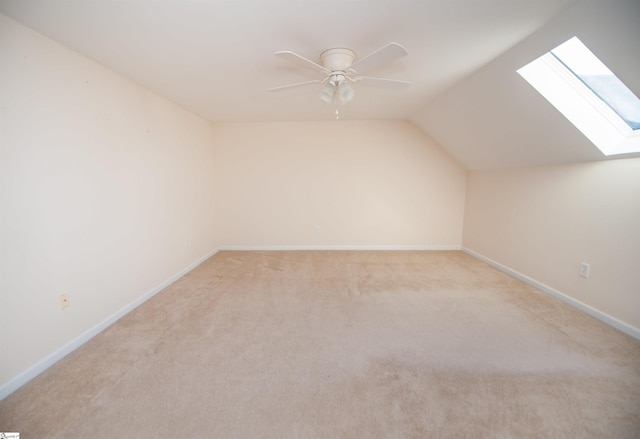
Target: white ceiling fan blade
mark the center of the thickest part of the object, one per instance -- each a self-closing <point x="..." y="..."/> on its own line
<point x="388" y="53"/>
<point x="394" y="84"/>
<point x="292" y="56"/>
<point x="299" y="84"/>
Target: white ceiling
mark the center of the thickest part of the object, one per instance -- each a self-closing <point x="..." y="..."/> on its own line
<point x="215" y="57"/>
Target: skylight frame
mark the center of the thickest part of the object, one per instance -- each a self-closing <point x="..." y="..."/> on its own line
<point x="603" y="126"/>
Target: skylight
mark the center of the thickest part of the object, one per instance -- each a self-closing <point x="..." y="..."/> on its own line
<point x="589" y="95"/>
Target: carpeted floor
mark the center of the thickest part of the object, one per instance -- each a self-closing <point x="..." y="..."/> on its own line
<point x="341" y="344"/>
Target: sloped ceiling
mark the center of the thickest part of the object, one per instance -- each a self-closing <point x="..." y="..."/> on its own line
<point x="215" y="58"/>
<point x="495" y="119"/>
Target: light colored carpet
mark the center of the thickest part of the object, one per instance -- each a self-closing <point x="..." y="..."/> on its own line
<point x="341" y="344"/>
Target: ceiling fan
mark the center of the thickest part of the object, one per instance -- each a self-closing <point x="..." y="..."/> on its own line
<point x="341" y="72"/>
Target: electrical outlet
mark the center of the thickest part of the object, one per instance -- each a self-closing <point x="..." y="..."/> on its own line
<point x="63" y="300"/>
<point x="584" y="269"/>
<point x="317" y="228"/>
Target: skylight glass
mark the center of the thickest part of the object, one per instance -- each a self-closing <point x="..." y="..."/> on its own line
<point x="589" y="95"/>
<point x="594" y="74"/>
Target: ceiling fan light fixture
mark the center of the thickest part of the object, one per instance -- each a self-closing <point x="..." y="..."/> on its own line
<point x="345" y="92"/>
<point x="327" y="92"/>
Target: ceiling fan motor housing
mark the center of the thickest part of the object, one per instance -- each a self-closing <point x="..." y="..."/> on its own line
<point x="337" y="59"/>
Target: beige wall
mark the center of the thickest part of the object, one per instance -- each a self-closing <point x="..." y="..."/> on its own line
<point x="544" y="221"/>
<point x="364" y="183"/>
<point x="105" y="194"/>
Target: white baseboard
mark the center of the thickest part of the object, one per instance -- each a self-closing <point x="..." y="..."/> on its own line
<point x="606" y="318"/>
<point x="339" y="247"/>
<point x="42" y="365"/>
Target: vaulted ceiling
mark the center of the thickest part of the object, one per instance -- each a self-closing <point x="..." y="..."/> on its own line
<point x="215" y="58"/>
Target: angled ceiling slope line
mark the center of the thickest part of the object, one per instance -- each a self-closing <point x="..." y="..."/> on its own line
<point x="495" y="119"/>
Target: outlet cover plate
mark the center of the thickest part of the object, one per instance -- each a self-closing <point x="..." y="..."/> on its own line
<point x="584" y="269"/>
